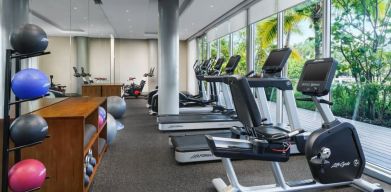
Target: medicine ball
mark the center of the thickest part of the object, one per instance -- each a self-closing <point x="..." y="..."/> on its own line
<point x="30" y="83"/>
<point x="27" y="129"/>
<point x="29" y="38"/>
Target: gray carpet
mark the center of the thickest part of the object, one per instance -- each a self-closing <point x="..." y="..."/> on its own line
<point x="141" y="160"/>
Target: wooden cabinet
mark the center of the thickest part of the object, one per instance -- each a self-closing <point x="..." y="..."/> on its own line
<point x="63" y="153"/>
<point x="102" y="90"/>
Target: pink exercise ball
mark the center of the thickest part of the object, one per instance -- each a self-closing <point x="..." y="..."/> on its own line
<point x="100" y="121"/>
<point x="26" y="175"/>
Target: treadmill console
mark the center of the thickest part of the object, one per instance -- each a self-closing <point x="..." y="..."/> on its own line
<point x="232" y="64"/>
<point x="276" y="60"/>
<point x="317" y="76"/>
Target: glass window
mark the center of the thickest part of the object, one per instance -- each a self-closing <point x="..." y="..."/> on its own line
<point x="239" y="48"/>
<point x="265" y="40"/>
<point x="361" y="43"/>
<point x="361" y="91"/>
<point x="224" y="47"/>
<point x="303" y="31"/>
<point x="213" y="49"/>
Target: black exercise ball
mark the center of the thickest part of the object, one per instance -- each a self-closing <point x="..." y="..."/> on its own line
<point x="29" y="38"/>
<point x="27" y="129"/>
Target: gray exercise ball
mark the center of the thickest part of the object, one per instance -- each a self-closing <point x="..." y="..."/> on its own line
<point x="29" y="38"/>
<point x="116" y="106"/>
<point x="27" y="129"/>
<point x="111" y="128"/>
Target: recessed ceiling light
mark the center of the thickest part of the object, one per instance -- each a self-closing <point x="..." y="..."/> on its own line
<point x="129" y="20"/>
<point x="75" y="8"/>
<point x="130" y="26"/>
<point x="85" y="18"/>
<point x="131" y="31"/>
<point x="127" y="11"/>
<point x="211" y="6"/>
<point x="192" y="23"/>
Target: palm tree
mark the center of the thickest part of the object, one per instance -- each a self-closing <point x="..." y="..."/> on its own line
<point x="267" y="29"/>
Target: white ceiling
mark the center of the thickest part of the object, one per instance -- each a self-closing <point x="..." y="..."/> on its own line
<point x="135" y="19"/>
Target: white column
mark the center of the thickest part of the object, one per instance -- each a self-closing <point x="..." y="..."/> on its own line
<point x="169" y="57"/>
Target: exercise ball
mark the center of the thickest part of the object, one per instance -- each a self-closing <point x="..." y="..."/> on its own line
<point x="100" y="121"/>
<point x="120" y="125"/>
<point x="29" y="38"/>
<point x="102" y="112"/>
<point x="26" y="175"/>
<point x="28" y="129"/>
<point x="116" y="106"/>
<point x="30" y="83"/>
<point x="111" y="128"/>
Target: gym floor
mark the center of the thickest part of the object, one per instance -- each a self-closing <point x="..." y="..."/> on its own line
<point x="141" y="160"/>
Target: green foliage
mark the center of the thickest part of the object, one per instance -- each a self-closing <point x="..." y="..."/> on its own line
<point x="240" y="46"/>
<point x="361" y="43"/>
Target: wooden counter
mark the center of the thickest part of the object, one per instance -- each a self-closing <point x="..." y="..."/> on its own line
<point x="102" y="90"/>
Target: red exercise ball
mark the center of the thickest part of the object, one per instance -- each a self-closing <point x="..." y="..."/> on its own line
<point x="26" y="175"/>
<point x="137" y="92"/>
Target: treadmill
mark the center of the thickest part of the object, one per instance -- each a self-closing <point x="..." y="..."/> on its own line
<point x="201" y="121"/>
<point x="193" y="147"/>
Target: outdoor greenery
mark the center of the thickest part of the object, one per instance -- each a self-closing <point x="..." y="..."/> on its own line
<point x="361" y="32"/>
<point x="361" y="43"/>
<point x="239" y="46"/>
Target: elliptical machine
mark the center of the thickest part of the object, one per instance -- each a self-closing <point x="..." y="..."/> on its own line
<point x="333" y="152"/>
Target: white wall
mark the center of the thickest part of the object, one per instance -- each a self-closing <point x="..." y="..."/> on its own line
<point x="153" y="63"/>
<point x="60" y="62"/>
<point x="183" y="66"/>
<point x="131" y="59"/>
<point x="192" y="86"/>
<point x="99" y="57"/>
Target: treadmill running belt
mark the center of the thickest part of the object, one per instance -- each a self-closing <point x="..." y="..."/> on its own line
<point x="194" y="118"/>
<point x="191" y="143"/>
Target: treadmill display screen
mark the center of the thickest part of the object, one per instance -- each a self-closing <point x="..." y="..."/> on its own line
<point x="275" y="59"/>
<point x="316" y="71"/>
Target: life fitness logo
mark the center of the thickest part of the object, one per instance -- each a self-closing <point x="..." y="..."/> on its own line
<point x="196" y="156"/>
<point x="343" y="164"/>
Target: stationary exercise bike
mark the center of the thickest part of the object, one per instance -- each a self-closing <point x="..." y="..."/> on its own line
<point x="86" y="75"/>
<point x="57" y="89"/>
<point x="135" y="90"/>
<point x="78" y="75"/>
<point x="333" y="152"/>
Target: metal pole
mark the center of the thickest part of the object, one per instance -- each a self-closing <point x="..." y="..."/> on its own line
<point x="280" y="44"/>
<point x="6" y="122"/>
<point x="18" y="66"/>
<point x="169" y="54"/>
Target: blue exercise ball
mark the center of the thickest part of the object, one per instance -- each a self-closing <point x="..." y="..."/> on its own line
<point x="27" y="129"/>
<point x="30" y="83"/>
<point x="29" y="38"/>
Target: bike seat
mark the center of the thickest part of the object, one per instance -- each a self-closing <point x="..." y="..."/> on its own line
<point x="269" y="132"/>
